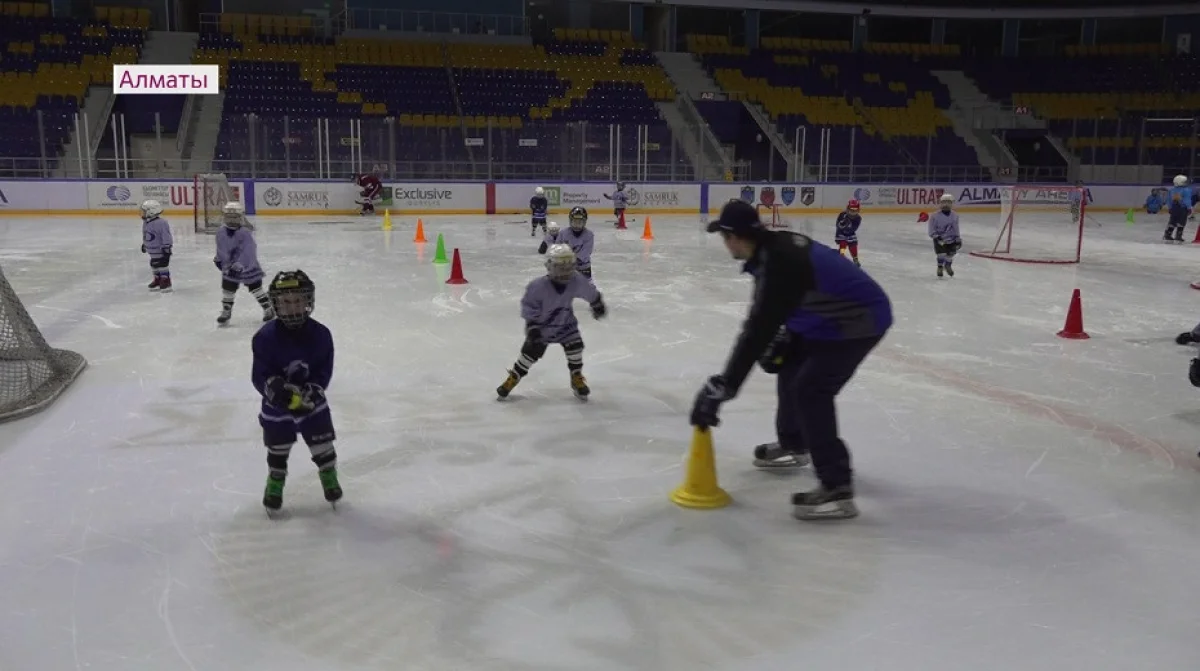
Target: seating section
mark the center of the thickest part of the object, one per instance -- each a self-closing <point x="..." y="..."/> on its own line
<point x="46" y="66"/>
<point x="1097" y="98"/>
<point x="884" y="114"/>
<point x="536" y="109"/>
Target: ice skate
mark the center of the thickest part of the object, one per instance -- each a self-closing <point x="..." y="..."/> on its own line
<point x="772" y="455"/>
<point x="1167" y="236"/>
<point x="579" y="386"/>
<point x="1179" y="236"/>
<point x="164" y="285"/>
<point x="825" y="504"/>
<point x="940" y="271"/>
<point x="1185" y="338"/>
<point x="273" y="494"/>
<point x="950" y="270"/>
<point x="509" y="384"/>
<point x="225" y="316"/>
<point x="329" y="482"/>
<point x="857" y="263"/>
<point x="155" y="285"/>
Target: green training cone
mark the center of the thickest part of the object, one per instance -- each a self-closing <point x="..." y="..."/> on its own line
<point x="439" y="256"/>
<point x="1129" y="216"/>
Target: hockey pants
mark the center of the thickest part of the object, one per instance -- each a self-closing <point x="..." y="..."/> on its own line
<point x="1176" y="222"/>
<point x="813" y="373"/>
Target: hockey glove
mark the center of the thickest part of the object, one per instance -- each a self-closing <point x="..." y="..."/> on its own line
<point x="314" y="394"/>
<point x="542" y="247"/>
<point x="1194" y="373"/>
<point x="533" y="333"/>
<point x="708" y="402"/>
<point x="166" y="251"/>
<point x="236" y="268"/>
<point x="599" y="311"/>
<point x="217" y="263"/>
<point x="772" y="359"/>
<point x="286" y="396"/>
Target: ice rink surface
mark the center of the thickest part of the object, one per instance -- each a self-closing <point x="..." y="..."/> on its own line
<point x="1028" y="502"/>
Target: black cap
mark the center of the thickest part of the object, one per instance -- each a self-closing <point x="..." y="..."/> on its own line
<point x="737" y="218"/>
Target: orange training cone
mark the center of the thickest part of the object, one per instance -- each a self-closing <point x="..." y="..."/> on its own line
<point x="1073" y="329"/>
<point x="700" y="488"/>
<point x="420" y="236"/>
<point x="456" y="273"/>
<point x="648" y="230"/>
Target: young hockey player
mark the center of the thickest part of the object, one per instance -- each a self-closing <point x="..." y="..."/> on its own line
<point x="620" y="200"/>
<point x="1179" y="208"/>
<point x="552" y="232"/>
<point x="293" y="363"/>
<point x="1077" y="199"/>
<point x="157" y="242"/>
<point x="1156" y="201"/>
<point x="538" y="205"/>
<point x="846" y="236"/>
<point x="943" y="229"/>
<point x="371" y="188"/>
<point x="549" y="318"/>
<point x="580" y="239"/>
<point x="237" y="259"/>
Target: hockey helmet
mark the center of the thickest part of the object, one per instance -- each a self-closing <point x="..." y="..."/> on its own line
<point x="946" y="202"/>
<point x="1180" y="180"/>
<point x="552" y="228"/>
<point x="853" y="205"/>
<point x="293" y="297"/>
<point x="578" y="218"/>
<point x="539" y="191"/>
<point x="560" y="262"/>
<point x="151" y="209"/>
<point x="233" y="214"/>
<point x="620" y="186"/>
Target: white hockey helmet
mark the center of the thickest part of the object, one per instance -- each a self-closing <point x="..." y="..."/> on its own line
<point x="946" y="201"/>
<point x="539" y="191"/>
<point x="552" y="227"/>
<point x="1181" y="180"/>
<point x="233" y="213"/>
<point x="560" y="262"/>
<point x="151" y="209"/>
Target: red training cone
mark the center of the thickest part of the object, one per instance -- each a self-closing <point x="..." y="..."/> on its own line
<point x="456" y="273"/>
<point x="1195" y="285"/>
<point x="1073" y="329"/>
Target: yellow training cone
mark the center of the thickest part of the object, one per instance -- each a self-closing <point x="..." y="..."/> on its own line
<point x="387" y="220"/>
<point x="700" y="488"/>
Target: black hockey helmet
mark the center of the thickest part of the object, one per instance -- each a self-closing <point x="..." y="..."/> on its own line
<point x="620" y="186"/>
<point x="577" y="218"/>
<point x="293" y="297"/>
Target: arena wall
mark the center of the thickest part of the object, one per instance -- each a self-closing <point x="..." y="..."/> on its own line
<point x="299" y="198"/>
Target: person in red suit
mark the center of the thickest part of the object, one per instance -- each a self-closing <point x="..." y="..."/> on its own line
<point x="371" y="188"/>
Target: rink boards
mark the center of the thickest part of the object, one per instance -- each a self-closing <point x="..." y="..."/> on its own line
<point x="337" y="197"/>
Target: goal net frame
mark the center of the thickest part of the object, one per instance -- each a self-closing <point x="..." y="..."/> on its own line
<point x="32" y="374"/>
<point x="770" y="215"/>
<point x="210" y="193"/>
<point x="1043" y="198"/>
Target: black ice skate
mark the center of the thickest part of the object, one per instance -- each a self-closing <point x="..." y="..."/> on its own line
<point x="225" y="316"/>
<point x="1179" y="236"/>
<point x="579" y="386"/>
<point x="940" y="271"/>
<point x="949" y="270"/>
<point x="329" y="482"/>
<point x="509" y="384"/>
<point x="273" y="494"/>
<point x="1185" y="338"/>
<point x="1167" y="236"/>
<point x="155" y="285"/>
<point x="772" y="455"/>
<point x="825" y="504"/>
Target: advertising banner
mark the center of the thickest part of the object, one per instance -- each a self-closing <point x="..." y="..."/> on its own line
<point x="342" y="198"/>
<point x="679" y="198"/>
<point x="789" y="197"/>
<point x="43" y="197"/>
<point x="177" y="197"/>
<point x="885" y="197"/>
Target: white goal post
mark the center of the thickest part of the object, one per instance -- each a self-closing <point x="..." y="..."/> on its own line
<point x="210" y="194"/>
<point x="1038" y="224"/>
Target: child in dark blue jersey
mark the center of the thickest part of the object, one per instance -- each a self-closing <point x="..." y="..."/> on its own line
<point x="293" y="364"/>
<point x="846" y="236"/>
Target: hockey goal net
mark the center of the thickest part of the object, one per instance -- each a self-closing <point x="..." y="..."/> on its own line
<point x="770" y="215"/>
<point x="1038" y="224"/>
<point x="32" y="374"/>
<point x="211" y="193"/>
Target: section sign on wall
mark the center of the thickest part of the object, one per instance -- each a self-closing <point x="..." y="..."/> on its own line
<point x="789" y="197"/>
